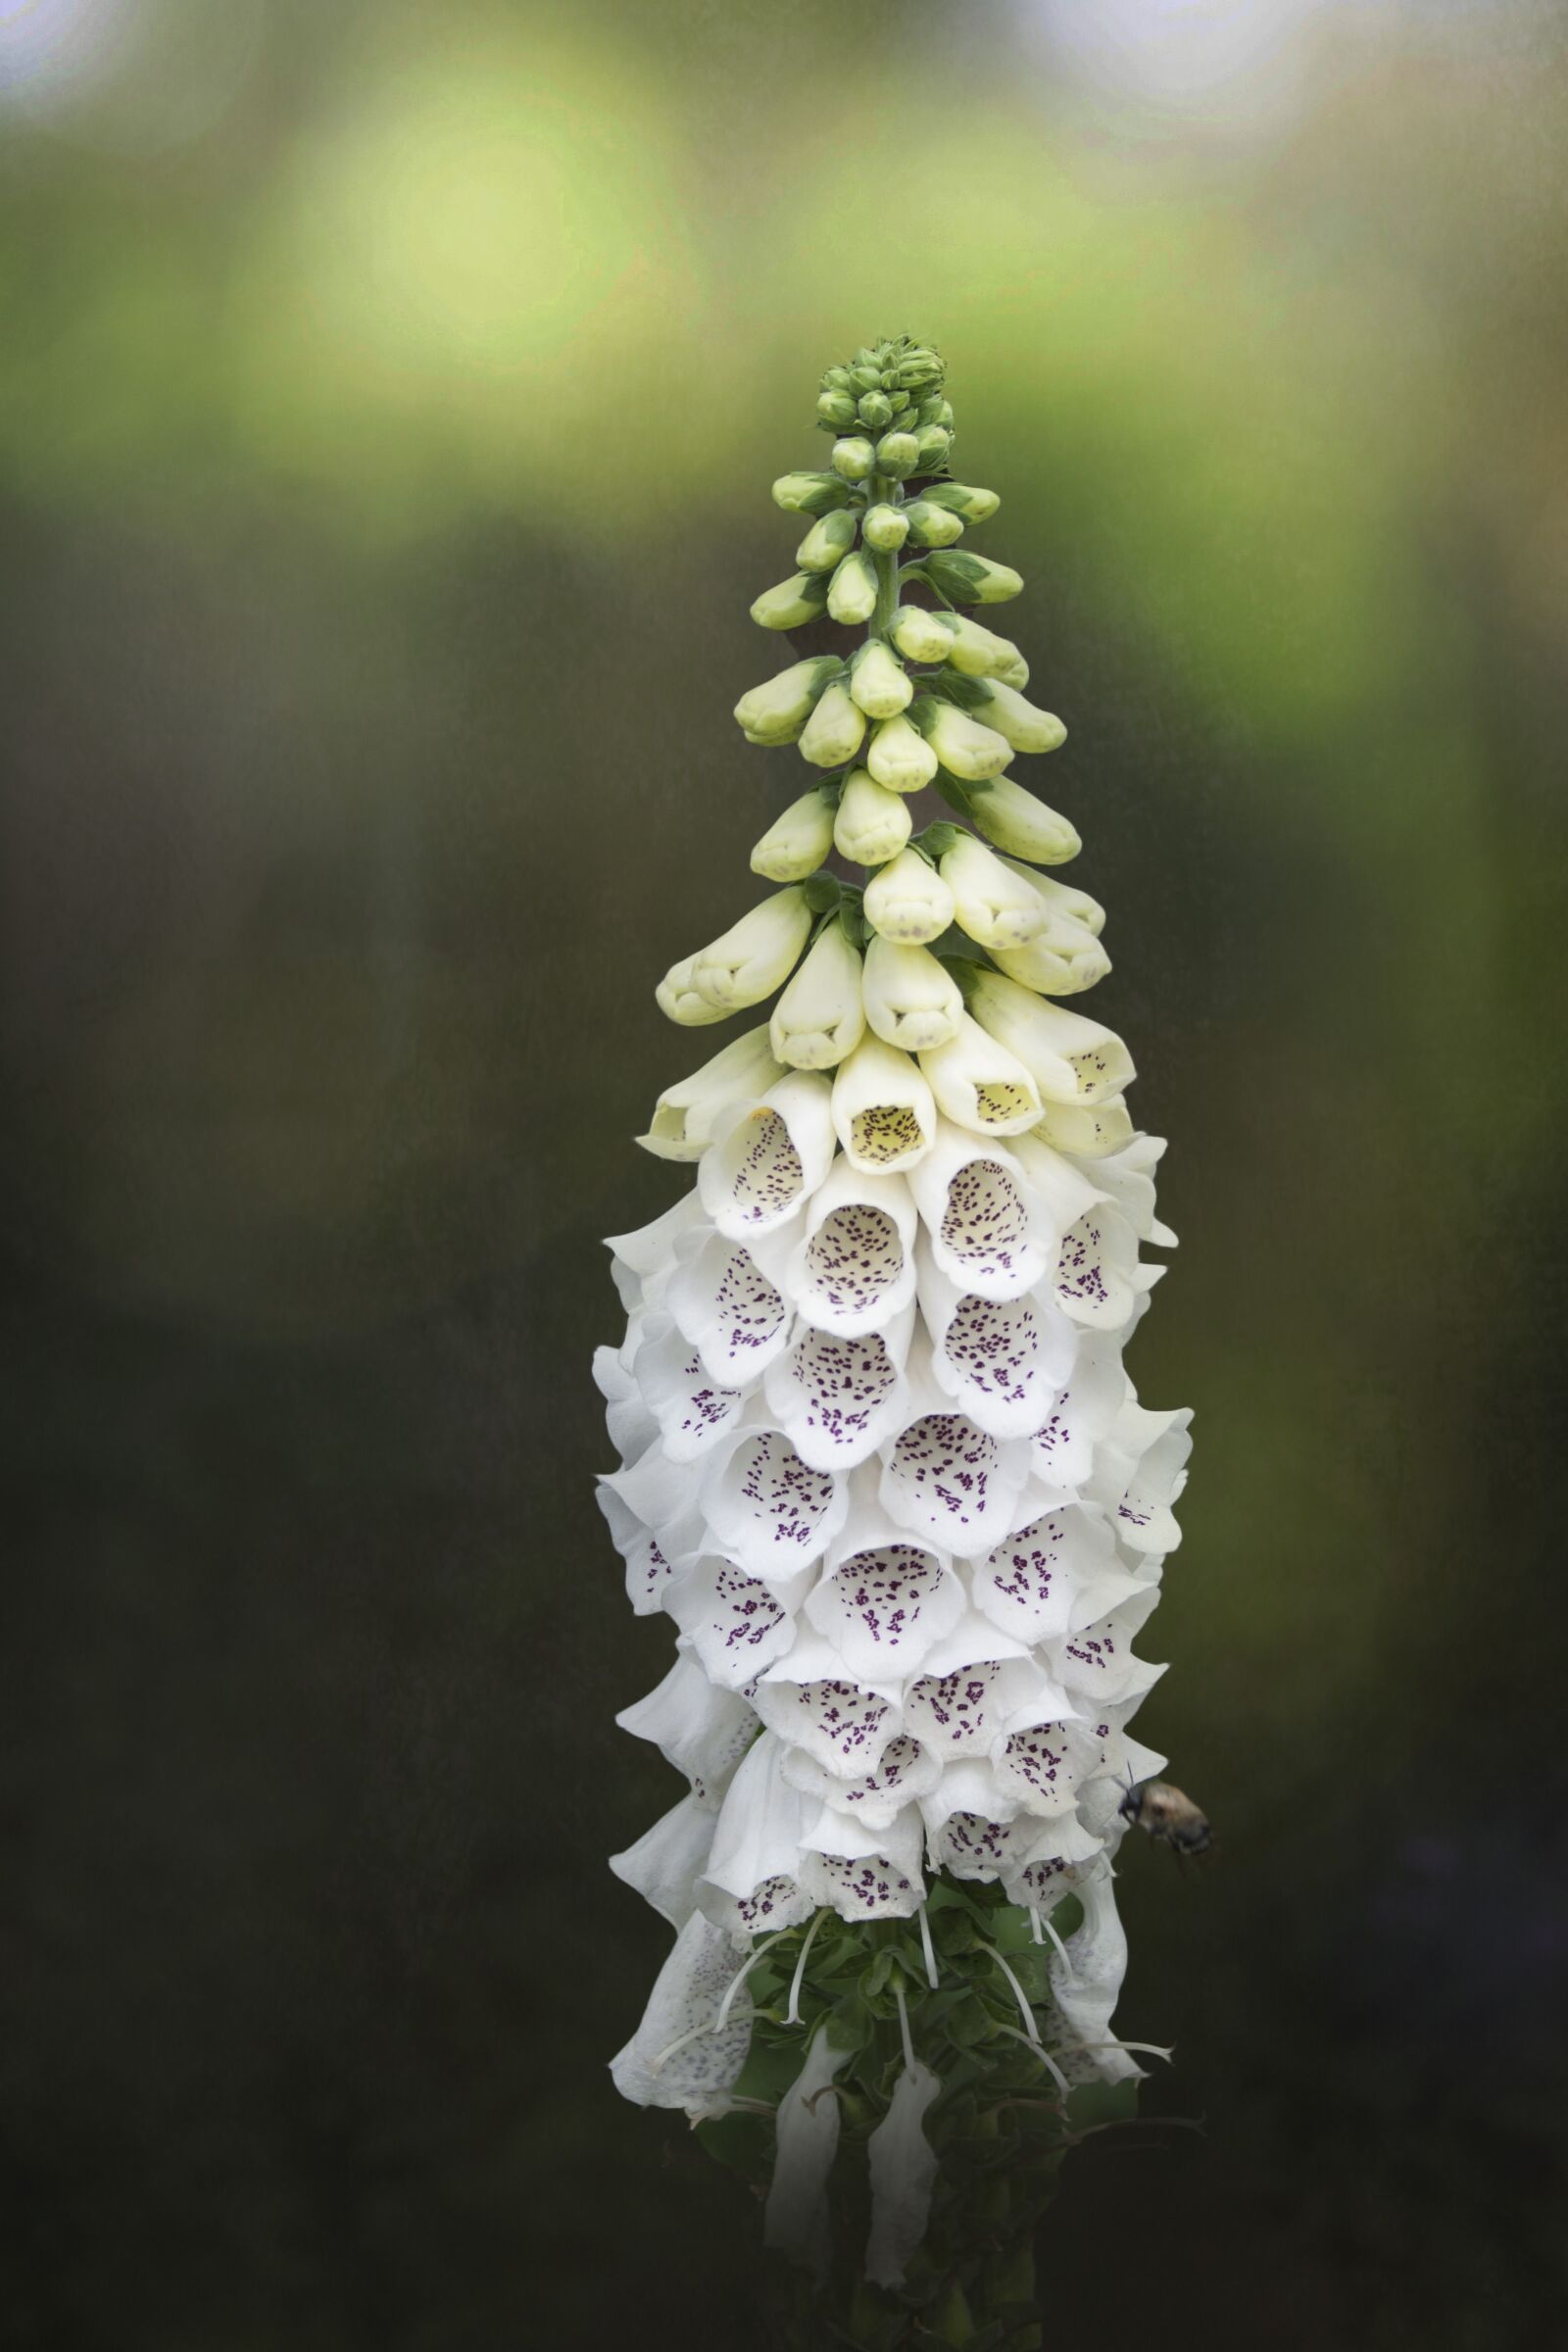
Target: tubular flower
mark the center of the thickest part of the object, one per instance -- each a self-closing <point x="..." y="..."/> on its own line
<point x="879" y="1463"/>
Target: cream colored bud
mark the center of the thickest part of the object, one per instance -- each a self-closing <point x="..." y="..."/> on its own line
<point x="792" y="603"/>
<point x="853" y="459"/>
<point x="979" y="1085"/>
<point x="962" y="745"/>
<point x="989" y="900"/>
<point x="899" y="756"/>
<point x="1013" y="819"/>
<point x="885" y="528"/>
<point x="776" y="710"/>
<point x="684" y="1115"/>
<point x="883" y="1111"/>
<point x="1087" y="1130"/>
<point x="979" y="653"/>
<point x="922" y="636"/>
<point x="852" y="597"/>
<point x="908" y="902"/>
<point x="827" y="542"/>
<point x="931" y="526"/>
<point x="1026" y="728"/>
<point x="1069" y="1059"/>
<point x="975" y="506"/>
<point x="755" y="955"/>
<point x="820" y="1016"/>
<point x="969" y="579"/>
<point x="873" y="823"/>
<point x="879" y="682"/>
<point x="835" y="730"/>
<point x="1061" y="963"/>
<point x="795" y="843"/>
<point x="679" y="1000"/>
<point x="911" y="1000"/>
<point x="1062" y="903"/>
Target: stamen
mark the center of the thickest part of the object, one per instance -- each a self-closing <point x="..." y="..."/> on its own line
<point x="903" y="2025"/>
<point x="792" y="2015"/>
<point x="1044" y="2055"/>
<point x="1067" y="1969"/>
<point x="740" y="1975"/>
<point x="925" y="1945"/>
<point x="1018" y="1992"/>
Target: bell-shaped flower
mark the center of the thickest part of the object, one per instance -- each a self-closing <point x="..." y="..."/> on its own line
<point x="853" y="1269"/>
<point x="1120" y="1763"/>
<point x="931" y="526"/>
<point x="880" y="684"/>
<point x="883" y="1604"/>
<point x="911" y="999"/>
<point x="1070" y="1059"/>
<point x="794" y="603"/>
<point x="900" y="755"/>
<point x="908" y="902"/>
<point x="737" y="1624"/>
<point x="966" y="579"/>
<point x="1096" y="1665"/>
<point x="796" y="843"/>
<point x="692" y="1410"/>
<point x="838" y="1399"/>
<point x="1063" y="1191"/>
<point x="835" y="730"/>
<point x="986" y="1228"/>
<point x="979" y="1085"/>
<point x="676" y="2059"/>
<point x="631" y="1426"/>
<point x="640" y="1263"/>
<point x="1026" y="727"/>
<point x="678" y="1000"/>
<point x="1051" y="1864"/>
<point x="729" y="1308"/>
<point x="989" y="899"/>
<point x="752" y="1877"/>
<point x="975" y="1828"/>
<point x="1127" y="1179"/>
<point x="820" y="1017"/>
<point x="1014" y="821"/>
<point x="904" y="2174"/>
<point x="852" y="597"/>
<point x="658" y="1493"/>
<point x="1039" y="1765"/>
<point x="950" y="1484"/>
<point x="922" y="636"/>
<point x="969" y="1684"/>
<point x="684" y="1115"/>
<point x="649" y="1566"/>
<point x="1057" y="1571"/>
<point x="794" y="2218"/>
<point x="962" y="745"/>
<point x="874" y="824"/>
<point x="1063" y="1447"/>
<point x="755" y="955"/>
<point x="1001" y="1361"/>
<point x="828" y="541"/>
<point x="885" y="528"/>
<point x="884" y="1112"/>
<point x="865" y="1873"/>
<point x="1096" y="1270"/>
<point x="770" y="1513"/>
<point x="1087" y="1130"/>
<point x="1087" y="1985"/>
<point x="1140" y="1477"/>
<point x="810" y="493"/>
<point x="776" y="710"/>
<point x="842" y="1722"/>
<point x="667" y="1860"/>
<point x="905" y="1771"/>
<point x="768" y="1157"/>
<point x="699" y="1728"/>
<point x="976" y="652"/>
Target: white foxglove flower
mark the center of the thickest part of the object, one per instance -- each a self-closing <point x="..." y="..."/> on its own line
<point x="1096" y="1270"/>
<point x="903" y="2175"/>
<point x="853" y="1269"/>
<point x="795" y="843"/>
<point x="1003" y="1361"/>
<point x="1144" y="1471"/>
<point x="767" y="1158"/>
<point x="1096" y="1665"/>
<point x="974" y="1828"/>
<point x="835" y="730"/>
<point x="951" y="1485"/>
<point x="640" y="1261"/>
<point x="838" y="1399"/>
<point x="749" y="960"/>
<point x="874" y="824"/>
<point x="1127" y="1180"/>
<point x="979" y="1085"/>
<point x="878" y="683"/>
<point x="1029" y="1582"/>
<point x="983" y="1220"/>
<point x="1064" y="1444"/>
<point x="842" y="1722"/>
<point x="1087" y="1988"/>
<point x="750" y="1881"/>
<point x="631" y="1426"/>
<point x="679" y="1000"/>
<point x="683" y="1117"/>
<point x="899" y="756"/>
<point x="1087" y="1130"/>
<point x="1013" y="819"/>
<point x="649" y="1566"/>
<point x="701" y="2067"/>
<point x="911" y="999"/>
<point x="820" y="1017"/>
<point x="1037" y="1765"/>
<point x="883" y="1603"/>
<point x="905" y="1771"/>
<point x="736" y="1623"/>
<point x="692" y="1412"/>
<point x="989" y="901"/>
<point x="908" y="902"/>
<point x="776" y="710"/>
<point x="1070" y="1059"/>
<point x="771" y="1513"/>
<point x="727" y="1304"/>
<point x="883" y="1111"/>
<point x="969" y="1685"/>
<point x="696" y="1726"/>
<point x="668" y="1861"/>
<point x="962" y="745"/>
<point x="865" y="1873"/>
<point x="795" y="2220"/>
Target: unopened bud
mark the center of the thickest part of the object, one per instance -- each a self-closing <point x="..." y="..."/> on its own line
<point x="835" y="410"/>
<point x="873" y="823"/>
<point x="878" y="683"/>
<point x="755" y="955"/>
<point x="885" y="528"/>
<point x="962" y="746"/>
<point x="836" y="379"/>
<point x="934" y="443"/>
<point x="795" y="843"/>
<point x="679" y="1000"/>
<point x="972" y="580"/>
<point x="776" y="710"/>
<point x="820" y="1017"/>
<point x="898" y="453"/>
<point x="851" y="598"/>
<point x="933" y="525"/>
<point x="835" y="730"/>
<point x="900" y="758"/>
<point x="911" y="1000"/>
<point x="922" y="636"/>
<point x="874" y="411"/>
<point x="810" y="493"/>
<point x="1013" y="819"/>
<point x="1026" y="727"/>
<point x="855" y="459"/>
<point x="827" y="542"/>
<point x="908" y="902"/>
<point x="866" y="378"/>
<point x="992" y="904"/>
<point x="979" y="653"/>
<point x="975" y="506"/>
<point x="792" y="603"/>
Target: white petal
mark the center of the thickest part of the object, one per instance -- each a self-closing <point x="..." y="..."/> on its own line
<point x="692" y="1410"/>
<point x="1063" y="1447"/>
<point x="1144" y="1473"/>
<point x="1053" y="1864"/>
<point x="1127" y="1176"/>
<point x="649" y="1565"/>
<point x="737" y="1624"/>
<point x="1003" y="1361"/>
<point x="946" y="1479"/>
<point x="699" y="1727"/>
<point x="752" y="1869"/>
<point x="700" y="2076"/>
<point x="1087" y="1998"/>
<point x="795" y="2220"/>
<point x="1065" y="1190"/>
<point x="981" y="1215"/>
<point x="683" y="1117"/>
<point x="875" y="1800"/>
<point x="903" y="2173"/>
<point x="1091" y="1130"/>
<point x="838" y="1399"/>
<point x="769" y="1511"/>
<point x="729" y="1309"/>
<point x="885" y="1604"/>
<point x="667" y="1860"/>
<point x="958" y="1706"/>
<point x="1096" y="1269"/>
<point x="641" y="1260"/>
<point x="884" y="1112"/>
<point x="1096" y="1664"/>
<point x="973" y="1826"/>
<point x="809" y="1700"/>
<point x="853" y="1268"/>
<point x="865" y="1873"/>
<point x="1027" y="1583"/>
<point x="768" y="1157"/>
<point x="978" y="1084"/>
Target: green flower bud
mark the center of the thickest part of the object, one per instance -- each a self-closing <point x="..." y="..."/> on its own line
<point x="999" y="705"/>
<point x="979" y="653"/>
<point x="945" y="414"/>
<point x="972" y="580"/>
<point x="878" y="683"/>
<point x="835" y="410"/>
<point x="810" y="493"/>
<point x="828" y="541"/>
<point x="776" y="710"/>
<point x="835" y="731"/>
<point x="792" y="603"/>
<point x="929" y="411"/>
<point x="874" y="409"/>
<point x="964" y="746"/>
<point x="1014" y="820"/>
<point x="975" y="506"/>
<point x="898" y="453"/>
<point x="922" y="636"/>
<point x="836" y="379"/>
<point x="900" y="401"/>
<point x="855" y="459"/>
<point x="885" y="527"/>
<point x="867" y="379"/>
<point x="931" y="526"/>
<point x="851" y="598"/>
<point x="934" y="443"/>
<point x="919" y="369"/>
<point x="796" y="845"/>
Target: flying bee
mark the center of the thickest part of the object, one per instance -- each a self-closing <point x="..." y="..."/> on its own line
<point x="1168" y="1815"/>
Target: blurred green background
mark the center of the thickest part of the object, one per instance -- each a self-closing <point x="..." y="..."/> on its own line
<point x="388" y="399"/>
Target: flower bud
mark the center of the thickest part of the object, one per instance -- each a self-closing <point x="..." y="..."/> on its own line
<point x="835" y="410"/>
<point x="879" y="683"/>
<point x="901" y="401"/>
<point x="835" y="730"/>
<point x="962" y="746"/>
<point x="795" y="843"/>
<point x="1087" y="1130"/>
<point x="972" y="580"/>
<point x="749" y="960"/>
<point x="992" y="904"/>
<point x="874" y="411"/>
<point x="683" y="1117"/>
<point x="979" y="1085"/>
<point x="974" y="506"/>
<point x="1064" y="905"/>
<point x="677" y="999"/>
<point x="1069" y="1059"/>
<point x="934" y="444"/>
<point x="885" y="528"/>
<point x="1058" y="961"/>
<point x="918" y="367"/>
<point x="932" y="525"/>
<point x="883" y="1111"/>
<point x="922" y="636"/>
<point x="867" y="377"/>
<point x="898" y="453"/>
<point x="820" y="1017"/>
<point x="776" y="710"/>
<point x="851" y="598"/>
<point x="908" y="902"/>
<point x="911" y="1000"/>
<point x="827" y="542"/>
<point x="1014" y="820"/>
<point x="1026" y="727"/>
<point x="810" y="493"/>
<point x="979" y="653"/>
<point x="853" y="459"/>
<point x="873" y="823"/>
<point x="899" y="756"/>
<point x="792" y="603"/>
<point x="836" y="379"/>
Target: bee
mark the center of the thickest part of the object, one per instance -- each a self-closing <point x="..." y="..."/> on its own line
<point x="1168" y="1815"/>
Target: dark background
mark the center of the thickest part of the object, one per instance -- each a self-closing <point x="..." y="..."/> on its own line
<point x="387" y="404"/>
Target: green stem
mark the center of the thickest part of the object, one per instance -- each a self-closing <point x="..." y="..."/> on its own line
<point x="884" y="491"/>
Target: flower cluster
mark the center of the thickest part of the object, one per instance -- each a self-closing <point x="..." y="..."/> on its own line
<point x="880" y="1462"/>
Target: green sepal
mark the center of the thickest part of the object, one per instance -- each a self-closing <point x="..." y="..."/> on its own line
<point x="822" y="892"/>
<point x="835" y="410"/>
<point x="874" y="411"/>
<point x="812" y="493"/>
<point x="939" y="838"/>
